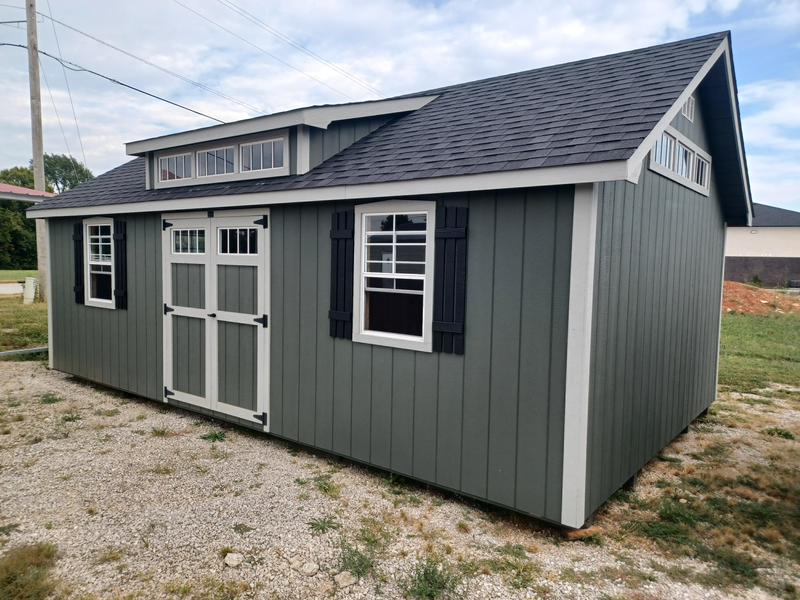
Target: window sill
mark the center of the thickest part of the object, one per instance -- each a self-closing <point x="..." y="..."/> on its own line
<point x="109" y="304"/>
<point x="403" y="342"/>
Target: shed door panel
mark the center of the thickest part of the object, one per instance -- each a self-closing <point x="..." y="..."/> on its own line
<point x="238" y="365"/>
<point x="189" y="355"/>
<point x="189" y="285"/>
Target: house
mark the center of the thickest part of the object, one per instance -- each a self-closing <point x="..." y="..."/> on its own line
<point x="768" y="249"/>
<point x="508" y="288"/>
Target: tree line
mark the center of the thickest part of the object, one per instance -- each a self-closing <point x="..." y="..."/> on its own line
<point x="18" y="233"/>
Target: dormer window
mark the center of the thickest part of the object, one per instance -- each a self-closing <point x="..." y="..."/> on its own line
<point x="215" y="162"/>
<point x="175" y="167"/>
<point x="262" y="155"/>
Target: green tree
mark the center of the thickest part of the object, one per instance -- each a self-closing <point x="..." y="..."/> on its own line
<point x="21" y="176"/>
<point x="64" y="172"/>
<point x="17" y="236"/>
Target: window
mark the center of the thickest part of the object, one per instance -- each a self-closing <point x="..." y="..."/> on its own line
<point x="188" y="241"/>
<point x="243" y="240"/>
<point x="215" y="162"/>
<point x="687" y="110"/>
<point x="394" y="273"/>
<point x="663" y="150"/>
<point x="683" y="161"/>
<point x="262" y="155"/>
<point x="701" y="172"/>
<point x="175" y="167"/>
<point x="100" y="262"/>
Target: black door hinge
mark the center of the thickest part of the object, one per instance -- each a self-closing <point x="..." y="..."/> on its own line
<point x="168" y="393"/>
<point x="263" y="320"/>
<point x="262" y="417"/>
<point x="164" y="224"/>
<point x="167" y="309"/>
<point x="263" y="221"/>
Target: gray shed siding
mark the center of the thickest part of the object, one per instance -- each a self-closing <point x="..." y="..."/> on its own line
<point x="658" y="275"/>
<point x="118" y="348"/>
<point x="490" y="423"/>
<point x="324" y="143"/>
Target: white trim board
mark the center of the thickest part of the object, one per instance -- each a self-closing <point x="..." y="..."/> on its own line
<point x="579" y="344"/>
<point x="542" y="176"/>
<point x="49" y="291"/>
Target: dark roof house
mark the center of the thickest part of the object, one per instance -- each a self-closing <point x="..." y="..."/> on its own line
<point x="473" y="286"/>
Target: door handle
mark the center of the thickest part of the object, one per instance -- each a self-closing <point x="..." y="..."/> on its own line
<point x="212" y="314"/>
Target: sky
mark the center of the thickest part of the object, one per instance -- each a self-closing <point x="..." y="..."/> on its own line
<point x="350" y="50"/>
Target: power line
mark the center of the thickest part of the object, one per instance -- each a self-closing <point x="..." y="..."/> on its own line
<point x="262" y="50"/>
<point x="69" y="91"/>
<point x="160" y="68"/>
<point x="285" y="38"/>
<point x="73" y="67"/>
<point x="49" y="91"/>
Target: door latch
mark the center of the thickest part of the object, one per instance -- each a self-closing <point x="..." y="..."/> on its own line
<point x="212" y="314"/>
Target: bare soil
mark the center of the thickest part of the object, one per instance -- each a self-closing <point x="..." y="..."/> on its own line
<point x="739" y="297"/>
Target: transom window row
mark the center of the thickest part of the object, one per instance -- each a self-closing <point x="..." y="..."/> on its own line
<point x="256" y="156"/>
<point x="677" y="157"/>
<point x="230" y="240"/>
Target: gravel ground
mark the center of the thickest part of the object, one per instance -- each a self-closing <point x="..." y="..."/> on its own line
<point x="139" y="506"/>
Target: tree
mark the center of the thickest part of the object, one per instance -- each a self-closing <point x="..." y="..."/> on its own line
<point x="21" y="176"/>
<point x="64" y="172"/>
<point x="17" y="236"/>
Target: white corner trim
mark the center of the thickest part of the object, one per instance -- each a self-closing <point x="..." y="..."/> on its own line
<point x="579" y="343"/>
<point x="721" y="293"/>
<point x="542" y="176"/>
<point x="303" y="150"/>
<point x="49" y="298"/>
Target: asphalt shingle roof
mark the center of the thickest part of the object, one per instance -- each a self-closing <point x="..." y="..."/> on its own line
<point x="594" y="110"/>
<point x="771" y="216"/>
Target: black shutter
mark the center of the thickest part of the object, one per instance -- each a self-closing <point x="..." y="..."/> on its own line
<point x="341" y="312"/>
<point x="77" y="237"/>
<point x="120" y="266"/>
<point x="450" y="279"/>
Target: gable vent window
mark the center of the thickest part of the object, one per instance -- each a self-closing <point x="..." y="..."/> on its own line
<point x="687" y="110"/>
<point x="683" y="161"/>
<point x="262" y="155"/>
<point x="215" y="162"/>
<point x="701" y="172"/>
<point x="175" y="167"/>
<point x="675" y="156"/>
<point x="663" y="150"/>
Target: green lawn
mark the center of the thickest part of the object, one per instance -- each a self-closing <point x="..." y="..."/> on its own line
<point x="759" y="349"/>
<point x="17" y="275"/>
<point x="22" y="326"/>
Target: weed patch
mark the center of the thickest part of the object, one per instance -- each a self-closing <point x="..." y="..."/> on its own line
<point x="323" y="525"/>
<point x="429" y="578"/>
<point x="778" y="432"/>
<point x="359" y="563"/>
<point x="325" y="484"/>
<point x="25" y="572"/>
<point x="217" y="435"/>
<point x="241" y="528"/>
<point x="51" y="399"/>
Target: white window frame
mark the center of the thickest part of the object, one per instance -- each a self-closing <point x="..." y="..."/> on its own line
<point x="167" y="157"/>
<point x="88" y="262"/>
<point x="682" y="140"/>
<point x="263" y="141"/>
<point x="423" y="343"/>
<point x="197" y="154"/>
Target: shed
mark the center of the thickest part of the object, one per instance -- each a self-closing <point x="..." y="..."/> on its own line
<point x="508" y="288"/>
<point x="768" y="249"/>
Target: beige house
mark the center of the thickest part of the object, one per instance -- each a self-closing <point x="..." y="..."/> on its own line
<point x="769" y="249"/>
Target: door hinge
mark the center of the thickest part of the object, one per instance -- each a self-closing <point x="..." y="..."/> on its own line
<point x="263" y="221"/>
<point x="164" y="224"/>
<point x="262" y="417"/>
<point x="263" y="320"/>
<point x="168" y="393"/>
<point x="167" y="309"/>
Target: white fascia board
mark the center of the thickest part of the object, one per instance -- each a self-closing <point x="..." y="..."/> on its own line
<point x="540" y="177"/>
<point x="315" y="116"/>
<point x="579" y="345"/>
<point x="637" y="158"/>
<point x="22" y="197"/>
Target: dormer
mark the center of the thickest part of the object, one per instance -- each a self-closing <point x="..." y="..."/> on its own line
<point x="288" y="143"/>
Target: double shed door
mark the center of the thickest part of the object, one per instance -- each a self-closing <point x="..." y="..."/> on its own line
<point x="216" y="307"/>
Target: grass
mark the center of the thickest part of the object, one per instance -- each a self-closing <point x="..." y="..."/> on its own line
<point x="430" y="578"/>
<point x="327" y="486"/>
<point x="358" y="562"/>
<point x="241" y="528"/>
<point x="323" y="525"/>
<point x="25" y="572"/>
<point x="16" y="275"/>
<point x="24" y="326"/>
<point x="756" y="350"/>
<point x="214" y="436"/>
<point x="51" y="398"/>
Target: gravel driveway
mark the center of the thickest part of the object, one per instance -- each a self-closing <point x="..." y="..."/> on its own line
<point x="139" y="505"/>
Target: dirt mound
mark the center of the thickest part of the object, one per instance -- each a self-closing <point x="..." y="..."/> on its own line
<point x="749" y="299"/>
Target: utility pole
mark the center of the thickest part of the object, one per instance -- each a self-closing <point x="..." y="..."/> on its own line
<point x="38" y="144"/>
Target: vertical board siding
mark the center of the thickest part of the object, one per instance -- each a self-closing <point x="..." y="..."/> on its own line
<point x="324" y="143"/>
<point x="189" y="355"/>
<point x="489" y="423"/>
<point x="237" y="288"/>
<point x="120" y="348"/>
<point x="237" y="369"/>
<point x="655" y="323"/>
<point x="189" y="285"/>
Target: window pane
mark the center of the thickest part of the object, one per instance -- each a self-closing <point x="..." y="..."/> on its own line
<point x="411" y="253"/>
<point x="171" y="167"/>
<point x="393" y="313"/>
<point x="106" y="253"/>
<point x="229" y="160"/>
<point x="187" y="165"/>
<point x="179" y="167"/>
<point x="233" y="246"/>
<point x="379" y="253"/>
<point x="94" y="230"/>
<point x="164" y="170"/>
<point x="252" y="246"/>
<point x="380" y="238"/>
<point x="413" y="238"/>
<point x="243" y="241"/>
<point x="410" y="284"/>
<point x="220" y="165"/>
<point x="105" y="229"/>
<point x="277" y="160"/>
<point x="176" y="236"/>
<point x="683" y="164"/>
<point x="201" y="164"/>
<point x="380" y="222"/>
<point x="379" y="267"/>
<point x="246" y="151"/>
<point x="410" y="222"/>
<point x="94" y="252"/>
<point x="193" y="241"/>
<point x="101" y="286"/>
<point x="266" y="157"/>
<point x="380" y="282"/>
<point x="256" y="157"/>
<point x="223" y="241"/>
<point x="184" y="241"/>
<point x="410" y="268"/>
<point x="201" y="241"/>
<point x="211" y="161"/>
